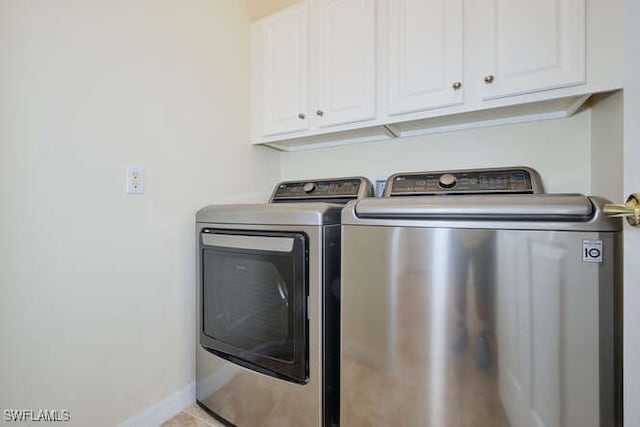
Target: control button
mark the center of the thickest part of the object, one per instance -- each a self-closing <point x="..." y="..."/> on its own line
<point x="309" y="187"/>
<point x="448" y="181"/>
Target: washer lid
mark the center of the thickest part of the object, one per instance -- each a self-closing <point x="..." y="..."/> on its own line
<point x="532" y="207"/>
<point x="272" y="214"/>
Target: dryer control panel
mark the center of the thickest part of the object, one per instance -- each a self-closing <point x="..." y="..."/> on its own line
<point x="520" y="180"/>
<point x="338" y="190"/>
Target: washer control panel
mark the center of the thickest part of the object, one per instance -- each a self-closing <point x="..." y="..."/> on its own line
<point x="339" y="190"/>
<point x="472" y="181"/>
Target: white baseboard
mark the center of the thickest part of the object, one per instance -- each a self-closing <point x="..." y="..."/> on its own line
<point x="162" y="411"/>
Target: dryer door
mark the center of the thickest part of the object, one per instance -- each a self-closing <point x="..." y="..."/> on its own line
<point x="254" y="300"/>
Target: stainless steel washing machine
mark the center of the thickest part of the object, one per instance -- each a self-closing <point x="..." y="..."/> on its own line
<point x="268" y="289"/>
<point x="470" y="298"/>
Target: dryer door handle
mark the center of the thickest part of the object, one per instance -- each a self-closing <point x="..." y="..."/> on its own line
<point x="256" y="243"/>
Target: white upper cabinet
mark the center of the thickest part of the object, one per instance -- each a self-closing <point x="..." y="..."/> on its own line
<point x="531" y="46"/>
<point x="330" y="72"/>
<point x="346" y="62"/>
<point x="281" y="52"/>
<point x="424" y="47"/>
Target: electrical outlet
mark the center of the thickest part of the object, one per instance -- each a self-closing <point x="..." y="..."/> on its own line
<point x="134" y="179"/>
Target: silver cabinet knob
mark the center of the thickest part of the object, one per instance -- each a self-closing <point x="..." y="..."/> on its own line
<point x="320" y="113"/>
<point x="456" y="85"/>
<point x="302" y="116"/>
<point x="489" y="79"/>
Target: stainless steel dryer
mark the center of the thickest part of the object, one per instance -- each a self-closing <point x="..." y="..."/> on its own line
<point x="268" y="294"/>
<point x="469" y="298"/>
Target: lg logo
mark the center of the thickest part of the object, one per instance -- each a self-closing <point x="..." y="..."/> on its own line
<point x="592" y="250"/>
<point x="592" y="253"/>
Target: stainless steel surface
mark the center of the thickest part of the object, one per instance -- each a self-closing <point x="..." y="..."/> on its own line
<point x="456" y="85"/>
<point x="536" y="181"/>
<point x="248" y="398"/>
<point x="433" y="212"/>
<point x="489" y="79"/>
<point x="275" y="214"/>
<point x="630" y="210"/>
<point x="260" y="243"/>
<point x="448" y="326"/>
<point x="365" y="188"/>
<point x="320" y="113"/>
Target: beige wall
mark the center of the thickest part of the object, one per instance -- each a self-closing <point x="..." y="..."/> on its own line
<point x="558" y="149"/>
<point x="97" y="287"/>
<point x="260" y="8"/>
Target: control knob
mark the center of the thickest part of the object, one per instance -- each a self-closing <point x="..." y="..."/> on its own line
<point x="448" y="181"/>
<point x="309" y="187"/>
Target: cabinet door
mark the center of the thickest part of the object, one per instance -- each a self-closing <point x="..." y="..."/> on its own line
<point x="425" y="52"/>
<point x="283" y="71"/>
<point x="532" y="46"/>
<point x="346" y="39"/>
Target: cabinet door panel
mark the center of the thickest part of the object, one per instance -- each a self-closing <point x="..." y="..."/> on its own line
<point x="425" y="54"/>
<point x="285" y="70"/>
<point x="533" y="45"/>
<point x="347" y="62"/>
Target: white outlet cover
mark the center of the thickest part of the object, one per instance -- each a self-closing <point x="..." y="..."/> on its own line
<point x="134" y="179"/>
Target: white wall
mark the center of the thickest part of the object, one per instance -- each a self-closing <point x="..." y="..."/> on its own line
<point x="607" y="146"/>
<point x="97" y="287"/>
<point x="558" y="149"/>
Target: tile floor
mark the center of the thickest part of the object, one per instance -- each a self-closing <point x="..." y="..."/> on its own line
<point x="193" y="416"/>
